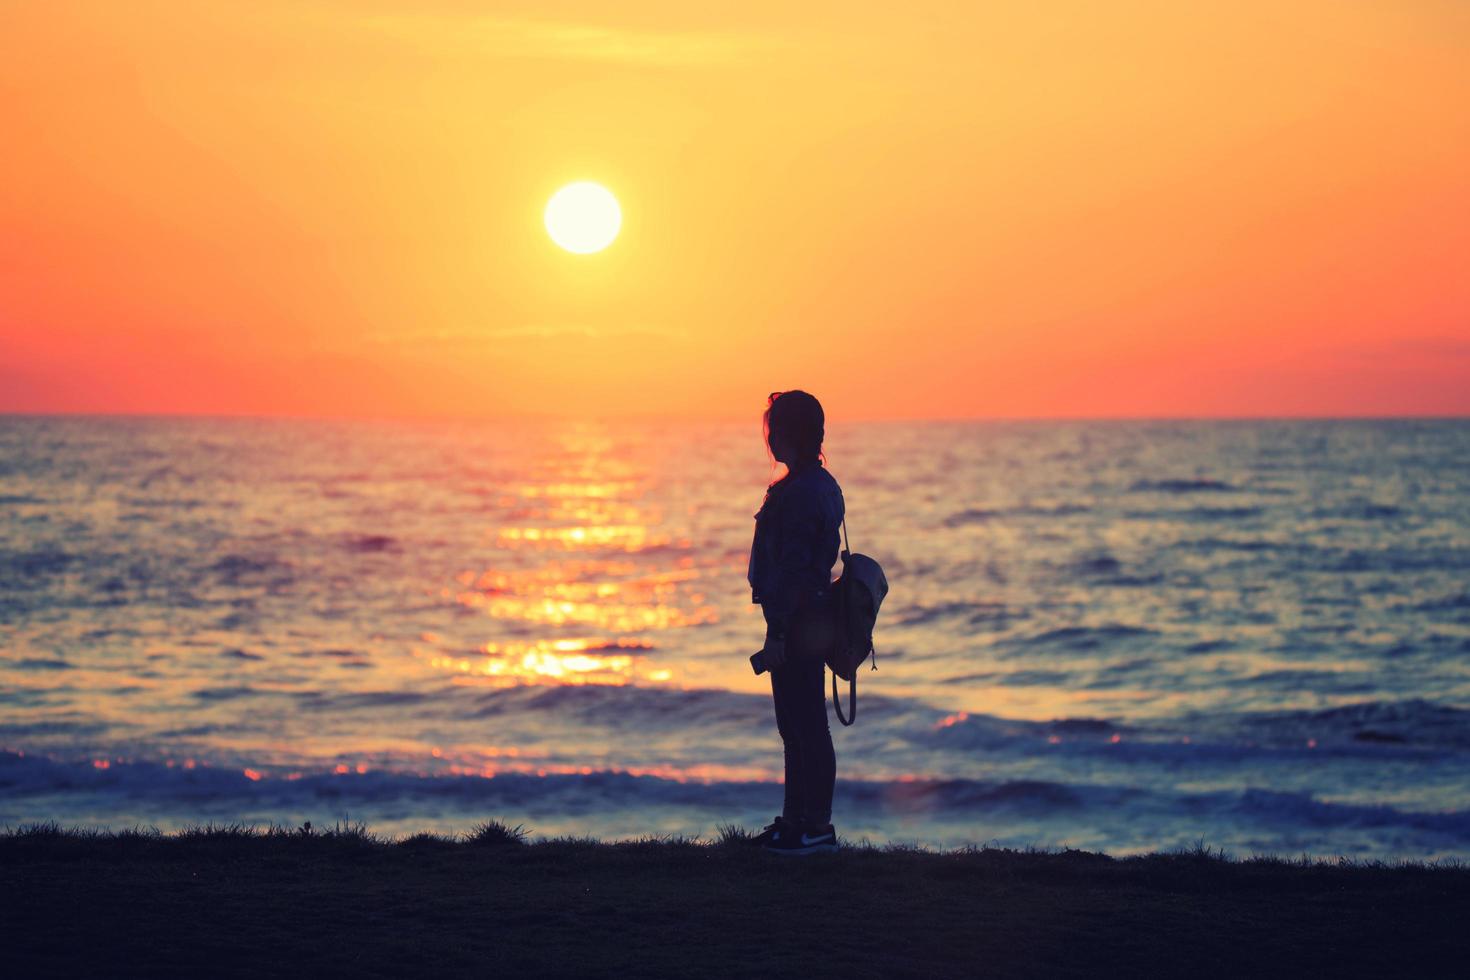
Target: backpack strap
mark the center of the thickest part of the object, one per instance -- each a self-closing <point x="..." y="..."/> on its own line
<point x="851" y="699"/>
<point x="852" y="684"/>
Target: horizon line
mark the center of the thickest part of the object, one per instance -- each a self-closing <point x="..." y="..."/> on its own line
<point x="644" y="418"/>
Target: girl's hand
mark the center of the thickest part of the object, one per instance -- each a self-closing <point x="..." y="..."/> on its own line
<point x="775" y="652"/>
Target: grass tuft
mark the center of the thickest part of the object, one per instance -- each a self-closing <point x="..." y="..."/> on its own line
<point x="665" y="842"/>
<point x="427" y="842"/>
<point x="730" y="834"/>
<point x="352" y="833"/>
<point x="50" y="830"/>
<point x="218" y="832"/>
<point x="493" y="833"/>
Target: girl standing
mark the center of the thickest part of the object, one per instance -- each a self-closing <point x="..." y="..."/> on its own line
<point x="791" y="559"/>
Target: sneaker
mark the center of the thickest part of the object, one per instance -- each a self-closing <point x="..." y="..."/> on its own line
<point x="772" y="829"/>
<point x="796" y="840"/>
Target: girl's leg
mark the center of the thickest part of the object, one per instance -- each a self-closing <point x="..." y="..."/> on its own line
<point x="806" y="713"/>
<point x="783" y="693"/>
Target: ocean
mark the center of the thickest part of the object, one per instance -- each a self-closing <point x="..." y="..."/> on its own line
<point x="1125" y="636"/>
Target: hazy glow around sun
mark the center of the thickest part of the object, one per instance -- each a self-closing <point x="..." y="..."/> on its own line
<point x="583" y="217"/>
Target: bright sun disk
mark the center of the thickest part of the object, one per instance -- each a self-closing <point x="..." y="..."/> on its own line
<point x="583" y="217"/>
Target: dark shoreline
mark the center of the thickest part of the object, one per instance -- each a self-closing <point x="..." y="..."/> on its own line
<point x="234" y="901"/>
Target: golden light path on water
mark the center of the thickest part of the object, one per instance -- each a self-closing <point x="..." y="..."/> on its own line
<point x="565" y="661"/>
<point x="592" y="573"/>
<point x="582" y="553"/>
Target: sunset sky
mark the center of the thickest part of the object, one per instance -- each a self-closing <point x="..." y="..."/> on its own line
<point x="1006" y="209"/>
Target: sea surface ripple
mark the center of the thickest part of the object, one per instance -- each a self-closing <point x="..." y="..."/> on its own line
<point x="1118" y="635"/>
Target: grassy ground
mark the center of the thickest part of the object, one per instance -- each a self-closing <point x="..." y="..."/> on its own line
<point x="233" y="902"/>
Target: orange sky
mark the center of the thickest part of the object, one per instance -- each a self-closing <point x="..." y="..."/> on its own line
<point x="912" y="210"/>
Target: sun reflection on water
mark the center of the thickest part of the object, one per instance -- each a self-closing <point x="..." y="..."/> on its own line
<point x="677" y="774"/>
<point x="596" y="489"/>
<point x="559" y="661"/>
<point x="585" y="562"/>
<point x="616" y="537"/>
<point x="612" y="596"/>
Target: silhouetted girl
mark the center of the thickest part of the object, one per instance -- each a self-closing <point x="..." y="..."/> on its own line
<point x="791" y="559"/>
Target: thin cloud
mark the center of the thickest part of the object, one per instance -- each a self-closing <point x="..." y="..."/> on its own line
<point x="523" y="331"/>
<point x="503" y="37"/>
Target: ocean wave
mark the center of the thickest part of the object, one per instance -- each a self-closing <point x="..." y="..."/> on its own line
<point x="964" y="795"/>
<point x="1077" y="638"/>
<point x="1201" y="514"/>
<point x="1394" y="560"/>
<point x="372" y="543"/>
<point x="37" y="663"/>
<point x="627" y="706"/>
<point x="1097" y="564"/>
<point x="21" y="730"/>
<point x="1325" y="681"/>
<point x="982" y="515"/>
<point x="169" y="504"/>
<point x="252" y="570"/>
<point x="355" y="700"/>
<point x="1197" y="485"/>
<point x="1014" y="678"/>
<point x="1231" y="544"/>
<point x="238" y="654"/>
<point x="177" y="790"/>
<point x="29" y="775"/>
<point x="1361" y="510"/>
<point x="1302" y="809"/>
<point x="25" y="569"/>
<point x="1448" y="603"/>
<point x="917" y="614"/>
<point x="1413" y="730"/>
<point x="969" y="733"/>
<point x="1411" y="722"/>
<point x="226" y="693"/>
<point x="1102" y="568"/>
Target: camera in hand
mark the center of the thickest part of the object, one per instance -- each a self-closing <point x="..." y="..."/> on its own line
<point x="758" y="662"/>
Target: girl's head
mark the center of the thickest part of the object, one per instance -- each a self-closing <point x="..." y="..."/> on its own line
<point x="793" y="424"/>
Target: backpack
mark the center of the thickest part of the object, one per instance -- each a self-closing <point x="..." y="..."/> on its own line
<point x="855" y="598"/>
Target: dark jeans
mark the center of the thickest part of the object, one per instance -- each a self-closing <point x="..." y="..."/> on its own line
<point x="801" y="718"/>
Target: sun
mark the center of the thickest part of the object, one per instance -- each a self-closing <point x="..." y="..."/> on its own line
<point x="583" y="217"/>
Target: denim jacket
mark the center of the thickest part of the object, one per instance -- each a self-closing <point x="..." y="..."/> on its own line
<point x="795" y="544"/>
